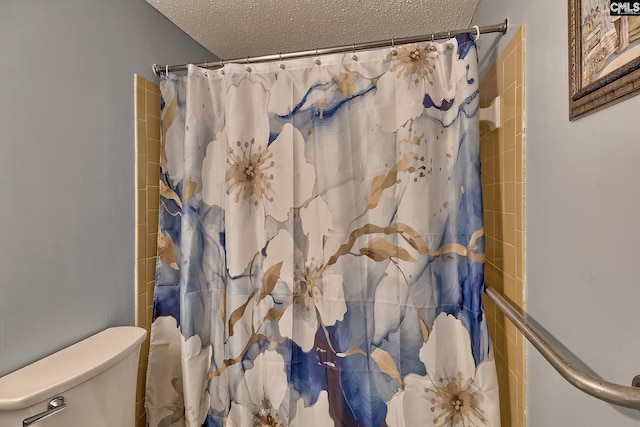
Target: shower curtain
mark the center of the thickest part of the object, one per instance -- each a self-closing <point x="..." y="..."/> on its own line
<point x="321" y="247"/>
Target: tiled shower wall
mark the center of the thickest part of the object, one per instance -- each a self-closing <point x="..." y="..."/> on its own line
<point x="147" y="179"/>
<point x="502" y="155"/>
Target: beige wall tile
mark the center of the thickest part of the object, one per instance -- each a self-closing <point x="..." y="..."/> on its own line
<point x="141" y="242"/>
<point x="152" y="221"/>
<point x="519" y="301"/>
<point x="496" y="192"/>
<point x="502" y="156"/>
<point x="509" y="133"/>
<point x="141" y="171"/>
<point x="509" y="260"/>
<point x="151" y="269"/>
<point x="153" y="127"/>
<point x="520" y="109"/>
<point x="140" y="272"/>
<point x="489" y="223"/>
<point x="152" y="245"/>
<point x="510" y="165"/>
<point x="519" y="159"/>
<point x="140" y="101"/>
<point x="519" y="57"/>
<point x="510" y="288"/>
<point x="521" y="367"/>
<point x="489" y="250"/>
<point x="519" y="259"/>
<point x="141" y="206"/>
<point x="511" y="334"/>
<point x="141" y="312"/>
<point x="139" y="409"/>
<point x="138" y="80"/>
<point x="152" y="103"/>
<point x="500" y="177"/>
<point x="519" y="189"/>
<point x="509" y="69"/>
<point x="508" y="197"/>
<point x="140" y="389"/>
<point x="509" y="228"/>
<point x="153" y="197"/>
<point x="486" y="172"/>
<point x="150" y="288"/>
<point x="149" y="309"/>
<point x="491" y="146"/>
<point x="147" y="148"/>
<point x="499" y="340"/>
<point x="152" y="86"/>
<point x="488" y="90"/>
<point x="494" y="277"/>
<point x="153" y="173"/>
<point x="141" y="136"/>
<point x="507" y="103"/>
<point x="153" y="150"/>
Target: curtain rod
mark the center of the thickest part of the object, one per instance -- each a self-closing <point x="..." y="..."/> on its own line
<point x="498" y="28"/>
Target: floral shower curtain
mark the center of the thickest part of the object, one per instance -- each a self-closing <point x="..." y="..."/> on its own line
<point x="321" y="245"/>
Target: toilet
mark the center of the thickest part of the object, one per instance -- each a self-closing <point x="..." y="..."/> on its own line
<point x="91" y="383"/>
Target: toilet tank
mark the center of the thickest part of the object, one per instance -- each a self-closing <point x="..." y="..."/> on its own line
<point x="96" y="378"/>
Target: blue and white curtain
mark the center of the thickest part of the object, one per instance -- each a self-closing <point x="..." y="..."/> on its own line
<point x="321" y="245"/>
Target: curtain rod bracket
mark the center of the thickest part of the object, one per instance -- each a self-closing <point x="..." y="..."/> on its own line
<point x="491" y="114"/>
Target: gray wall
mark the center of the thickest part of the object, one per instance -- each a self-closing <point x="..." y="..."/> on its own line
<point x="582" y="234"/>
<point x="67" y="162"/>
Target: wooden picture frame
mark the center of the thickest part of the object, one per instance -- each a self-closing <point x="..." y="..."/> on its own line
<point x="604" y="57"/>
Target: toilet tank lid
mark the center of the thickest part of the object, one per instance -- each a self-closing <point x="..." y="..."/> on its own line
<point x="68" y="367"/>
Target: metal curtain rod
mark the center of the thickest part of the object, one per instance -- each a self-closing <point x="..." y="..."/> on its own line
<point x="498" y="28"/>
<point x="616" y="394"/>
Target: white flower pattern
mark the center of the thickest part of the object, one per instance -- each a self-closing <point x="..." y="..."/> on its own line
<point x="317" y="294"/>
<point x="454" y="392"/>
<point x="265" y="398"/>
<point x="414" y="72"/>
<point x="257" y="178"/>
<point x="190" y="387"/>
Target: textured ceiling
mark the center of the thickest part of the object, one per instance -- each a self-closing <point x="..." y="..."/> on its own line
<point x="239" y="28"/>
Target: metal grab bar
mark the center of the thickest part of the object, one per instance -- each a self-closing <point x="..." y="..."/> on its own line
<point x="616" y="394"/>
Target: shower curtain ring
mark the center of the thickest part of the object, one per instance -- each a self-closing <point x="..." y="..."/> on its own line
<point x="449" y="35"/>
<point x="477" y="32"/>
<point x="166" y="71"/>
<point x="393" y="47"/>
<point x="354" y="56"/>
<point x="317" y="60"/>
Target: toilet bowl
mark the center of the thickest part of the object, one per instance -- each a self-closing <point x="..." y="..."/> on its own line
<point x="91" y="383"/>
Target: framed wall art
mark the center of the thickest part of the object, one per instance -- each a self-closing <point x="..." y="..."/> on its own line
<point x="604" y="54"/>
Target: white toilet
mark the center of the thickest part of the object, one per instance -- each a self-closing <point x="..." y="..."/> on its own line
<point x="91" y="383"/>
